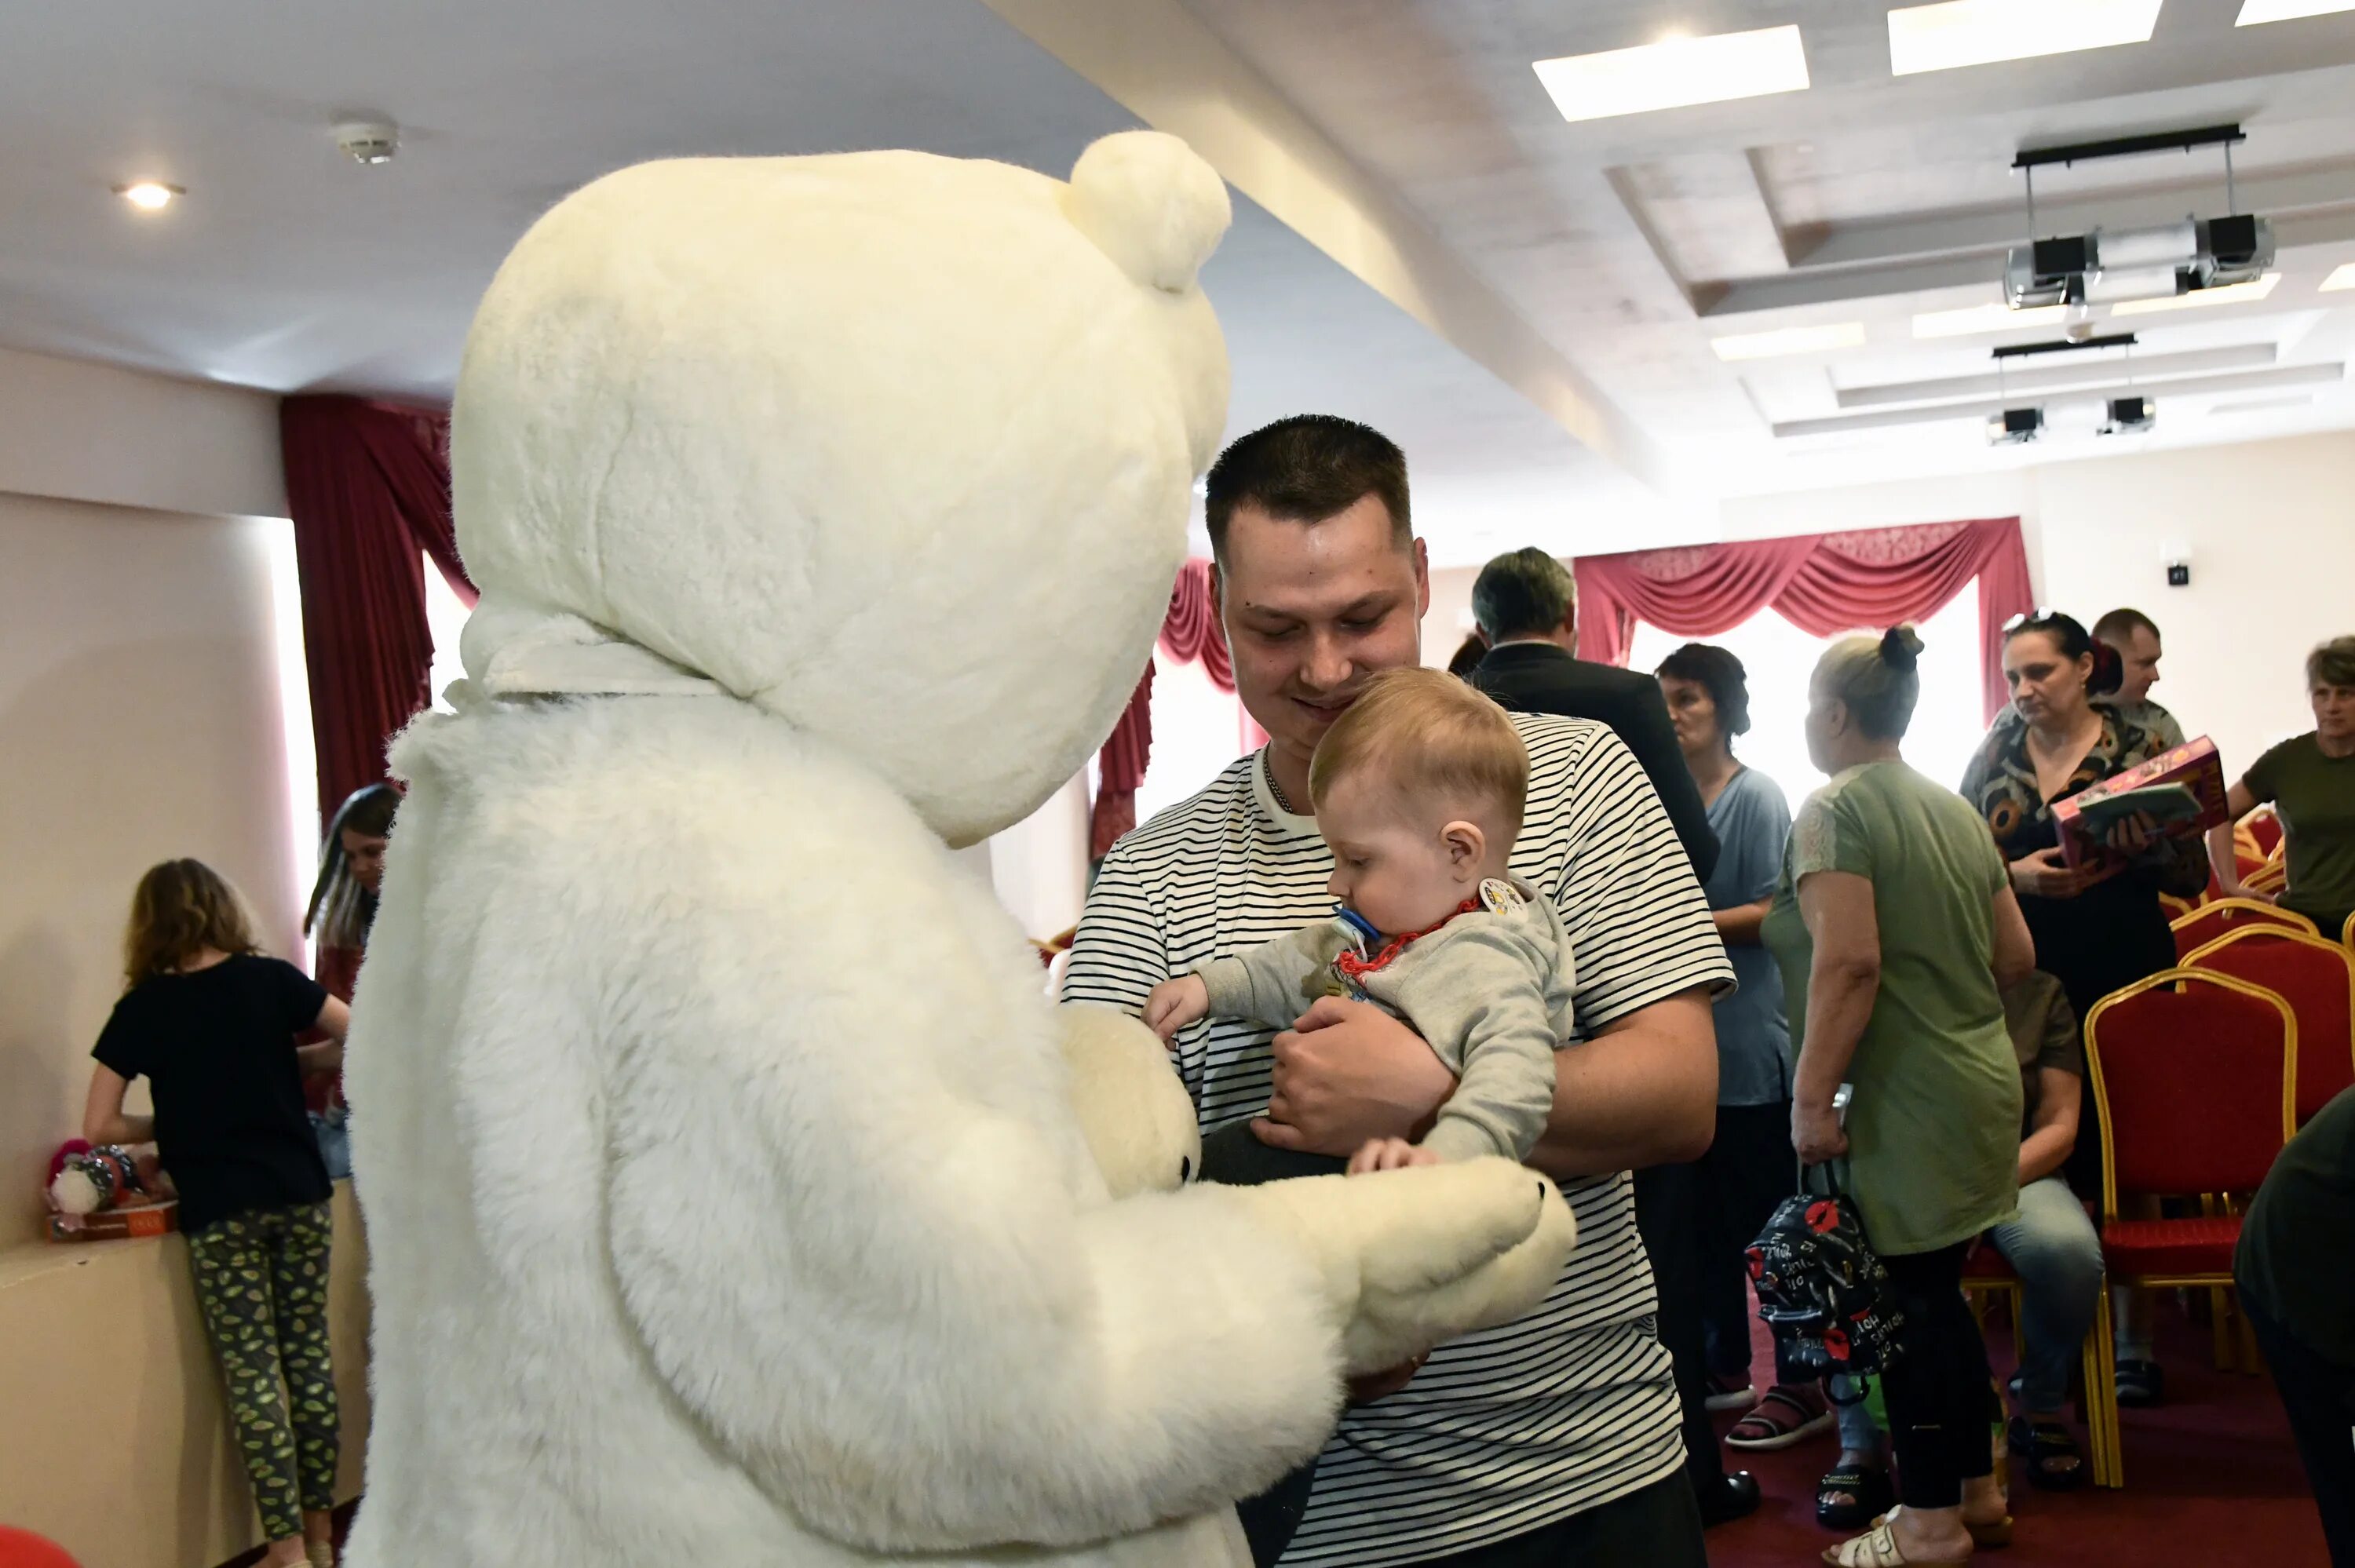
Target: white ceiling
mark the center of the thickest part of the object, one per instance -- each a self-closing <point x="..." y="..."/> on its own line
<point x="1627" y="243"/>
<point x="288" y="267"/>
<point x="1631" y="242"/>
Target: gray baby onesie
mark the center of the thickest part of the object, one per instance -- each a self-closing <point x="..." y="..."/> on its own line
<point x="1490" y="991"/>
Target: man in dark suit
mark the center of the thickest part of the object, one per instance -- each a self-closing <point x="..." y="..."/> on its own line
<point x="1526" y="606"/>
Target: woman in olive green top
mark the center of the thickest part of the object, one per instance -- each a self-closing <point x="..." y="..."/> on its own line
<point x="1894" y="924"/>
<point x="2310" y="779"/>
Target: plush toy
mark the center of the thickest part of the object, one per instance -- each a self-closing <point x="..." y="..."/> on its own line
<point x="87" y="1180"/>
<point x="732" y="1196"/>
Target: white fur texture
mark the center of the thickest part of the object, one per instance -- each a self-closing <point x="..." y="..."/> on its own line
<point x="928" y="387"/>
<point x="734" y="1196"/>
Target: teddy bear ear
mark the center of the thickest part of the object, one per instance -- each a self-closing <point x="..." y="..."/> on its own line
<point x="1152" y="205"/>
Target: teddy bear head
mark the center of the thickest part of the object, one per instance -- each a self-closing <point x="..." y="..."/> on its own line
<point x="895" y="447"/>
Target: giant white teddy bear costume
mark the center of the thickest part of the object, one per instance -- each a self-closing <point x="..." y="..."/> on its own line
<point x="729" y="1194"/>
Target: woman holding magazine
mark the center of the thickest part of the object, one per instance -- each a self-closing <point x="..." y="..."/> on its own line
<point x="2095" y="929"/>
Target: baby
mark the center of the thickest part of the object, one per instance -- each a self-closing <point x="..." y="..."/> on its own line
<point x="1418" y="790"/>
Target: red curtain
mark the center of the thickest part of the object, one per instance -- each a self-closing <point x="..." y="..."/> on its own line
<point x="367" y="484"/>
<point x="1822" y="583"/>
<point x="1190" y="631"/>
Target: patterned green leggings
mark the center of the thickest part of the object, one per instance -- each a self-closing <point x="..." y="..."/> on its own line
<point x="261" y="1280"/>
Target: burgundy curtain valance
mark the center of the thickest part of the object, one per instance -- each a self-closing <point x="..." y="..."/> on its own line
<point x="1822" y="583"/>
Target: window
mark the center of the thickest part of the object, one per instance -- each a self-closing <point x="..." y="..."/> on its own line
<point x="445" y="618"/>
<point x="303" y="824"/>
<point x="1779" y="658"/>
<point x="1197" y="731"/>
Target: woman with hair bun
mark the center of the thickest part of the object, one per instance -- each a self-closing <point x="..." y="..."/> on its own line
<point x="1894" y="924"/>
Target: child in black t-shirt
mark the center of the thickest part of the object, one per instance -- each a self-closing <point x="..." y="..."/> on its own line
<point x="209" y="1021"/>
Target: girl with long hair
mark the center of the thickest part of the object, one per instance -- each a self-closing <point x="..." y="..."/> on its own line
<point x="209" y="1021"/>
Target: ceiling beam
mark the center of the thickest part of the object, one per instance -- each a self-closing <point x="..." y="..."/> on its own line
<point x="2081" y="370"/>
<point x="1157" y="60"/>
<point x="1844" y="424"/>
<point x="1925" y="236"/>
<point x="1834" y="285"/>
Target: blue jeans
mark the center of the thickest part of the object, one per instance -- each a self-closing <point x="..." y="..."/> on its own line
<point x="2053" y="1248"/>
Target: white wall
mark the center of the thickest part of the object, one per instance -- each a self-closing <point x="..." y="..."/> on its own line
<point x="78" y="431"/>
<point x="140" y="718"/>
<point x="141" y="711"/>
<point x="2270" y="524"/>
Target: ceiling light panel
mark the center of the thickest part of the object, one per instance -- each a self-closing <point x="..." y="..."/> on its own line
<point x="1675" y="72"/>
<point x="2342" y="277"/>
<point x="2255" y="12"/>
<point x="1980" y="32"/>
<point x="1977" y="318"/>
<point x="1789" y="340"/>
<point x="2232" y="293"/>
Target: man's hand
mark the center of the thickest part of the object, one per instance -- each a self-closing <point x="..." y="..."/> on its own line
<point x="1349" y="1072"/>
<point x="1815" y="1133"/>
<point x="1174" y="1003"/>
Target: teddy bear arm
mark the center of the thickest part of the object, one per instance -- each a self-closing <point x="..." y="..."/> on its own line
<point x="941" y="1348"/>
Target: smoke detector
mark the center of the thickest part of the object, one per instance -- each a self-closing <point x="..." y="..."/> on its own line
<point x="368" y="141"/>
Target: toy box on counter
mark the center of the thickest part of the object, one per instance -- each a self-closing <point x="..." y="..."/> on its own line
<point x="2183" y="790"/>
<point x="113" y="1224"/>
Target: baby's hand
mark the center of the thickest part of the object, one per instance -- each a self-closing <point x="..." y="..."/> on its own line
<point x="1389" y="1154"/>
<point x="1175" y="1003"/>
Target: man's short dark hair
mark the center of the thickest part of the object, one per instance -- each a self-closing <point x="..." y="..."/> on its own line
<point x="2120" y="624"/>
<point x="1525" y="594"/>
<point x="1304" y="470"/>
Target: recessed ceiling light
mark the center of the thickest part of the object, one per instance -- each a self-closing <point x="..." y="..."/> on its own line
<point x="1980" y="32"/>
<point x="2254" y="13"/>
<point x="1788" y="340"/>
<point x="2230" y="294"/>
<point x="2342" y="277"/>
<point x="1675" y="73"/>
<point x="1975" y="319"/>
<point x="149" y="196"/>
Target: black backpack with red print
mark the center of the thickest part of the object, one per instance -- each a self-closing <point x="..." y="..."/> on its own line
<point x="1822" y="1292"/>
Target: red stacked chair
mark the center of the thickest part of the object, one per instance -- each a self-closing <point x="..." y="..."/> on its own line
<point x="2317" y="979"/>
<point x="2264" y="829"/>
<point x="2195" y="1076"/>
<point x="2223" y="917"/>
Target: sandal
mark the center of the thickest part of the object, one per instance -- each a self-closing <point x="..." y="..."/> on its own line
<point x="1877" y="1548"/>
<point x="2054" y="1461"/>
<point x="1853" y="1498"/>
<point x="2141" y="1384"/>
<point x="1783" y="1415"/>
<point x="1728" y="1394"/>
<point x="1986" y="1537"/>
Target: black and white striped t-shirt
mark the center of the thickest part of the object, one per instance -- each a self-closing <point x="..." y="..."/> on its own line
<point x="1572" y="1406"/>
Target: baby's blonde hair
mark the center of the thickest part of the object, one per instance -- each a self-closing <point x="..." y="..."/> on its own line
<point x="1428" y="734"/>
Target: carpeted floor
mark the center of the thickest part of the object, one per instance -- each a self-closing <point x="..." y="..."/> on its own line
<point x="2213" y="1481"/>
